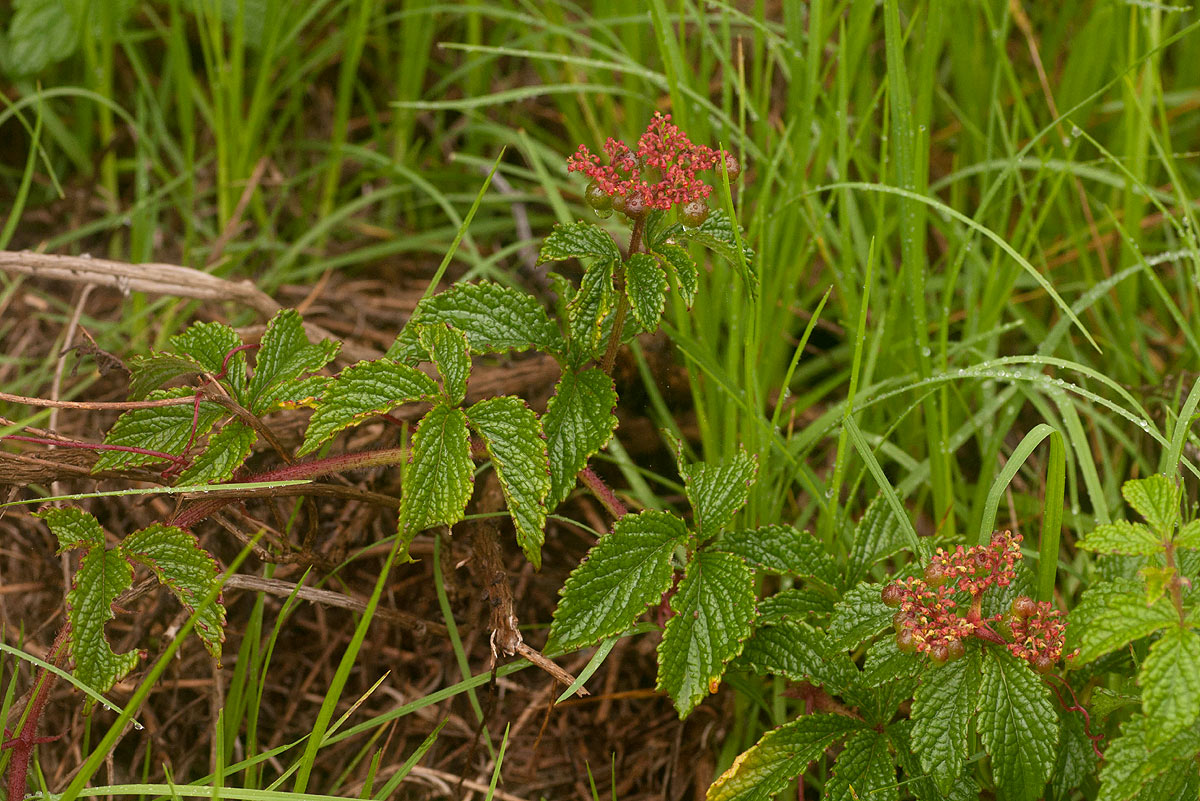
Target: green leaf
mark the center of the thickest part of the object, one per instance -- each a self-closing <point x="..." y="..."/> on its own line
<point x="73" y="527"/>
<point x="1158" y="580"/>
<point x="40" y="33"/>
<point x="918" y="782"/>
<point x="793" y="603"/>
<point x="718" y="491"/>
<point x="624" y="572"/>
<point x="1156" y="498"/>
<point x="102" y="576"/>
<point x="448" y="351"/>
<point x="1132" y="539"/>
<point x="646" y="287"/>
<point x="766" y="769"/>
<point x="1170" y="681"/>
<point x="168" y="429"/>
<point x="579" y="421"/>
<point x="225" y="452"/>
<point x="209" y="344"/>
<point x="440" y="475"/>
<point x="517" y="448"/>
<point x="714" y="610"/>
<point x="797" y="651"/>
<point x="682" y="269"/>
<point x="716" y="234"/>
<point x="591" y="304"/>
<point x="151" y="372"/>
<point x="658" y="230"/>
<point x="864" y="770"/>
<point x="878" y="535"/>
<point x="187" y="570"/>
<point x="1105" y="701"/>
<point x="1189" y="536"/>
<point x="362" y="391"/>
<point x="1018" y="725"/>
<point x="1132" y="760"/>
<point x="860" y="614"/>
<point x="494" y="318"/>
<point x="781" y="549"/>
<point x="941" y="714"/>
<point x="306" y="392"/>
<point x="886" y="663"/>
<point x="578" y="240"/>
<point x="1075" y="761"/>
<point x="1112" y="614"/>
<point x="284" y="355"/>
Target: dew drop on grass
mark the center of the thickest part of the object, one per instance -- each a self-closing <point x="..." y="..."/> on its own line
<point x="1076" y="132"/>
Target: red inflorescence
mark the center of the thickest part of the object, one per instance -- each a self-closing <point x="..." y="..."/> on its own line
<point x="662" y="148"/>
<point x="928" y="619"/>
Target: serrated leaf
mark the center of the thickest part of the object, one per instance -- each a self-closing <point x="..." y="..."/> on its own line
<point x="860" y="614"/>
<point x="440" y="475"/>
<point x="714" y="610"/>
<point x="682" y="269"/>
<point x="578" y="240"/>
<point x="1170" y="681"/>
<point x="793" y="603"/>
<point x="284" y="356"/>
<point x="864" y="771"/>
<point x="1189" y="535"/>
<point x="362" y="391"/>
<point x="717" y="491"/>
<point x="886" y="663"/>
<point x="1179" y="782"/>
<point x="209" y="344"/>
<point x="878" y="535"/>
<point x="917" y="780"/>
<point x="1122" y="537"/>
<point x="579" y="421"/>
<point x="646" y="287"/>
<point x="658" y="229"/>
<point x="941" y="714"/>
<point x="1156" y="498"/>
<point x="1018" y="725"/>
<point x="517" y="448"/>
<point x="781" y="549"/>
<point x="40" y="33"/>
<point x="225" y="452"/>
<point x="102" y="576"/>
<point x="1110" y="615"/>
<point x="168" y="429"/>
<point x="624" y="572"/>
<point x="1075" y="761"/>
<point x="591" y="304"/>
<point x="800" y="652"/>
<point x="1131" y="761"/>
<point x="151" y="372"/>
<point x="187" y="570"/>
<point x="448" y="351"/>
<point x="716" y="234"/>
<point x="1105" y="701"/>
<point x="766" y="769"/>
<point x="494" y="318"/>
<point x="73" y="527"/>
<point x="1158" y="580"/>
<point x="304" y="393"/>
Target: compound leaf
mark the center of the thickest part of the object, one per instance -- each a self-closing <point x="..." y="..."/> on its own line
<point x="941" y="714"/>
<point x="284" y="355"/>
<point x="781" y="549"/>
<point x="646" y="287"/>
<point x="225" y="452"/>
<point x="168" y="429"/>
<point x="1170" y="680"/>
<point x="440" y="476"/>
<point x="864" y="770"/>
<point x="517" y="447"/>
<point x="578" y="240"/>
<point x="102" y="576"/>
<point x="766" y="769"/>
<point x="579" y="421"/>
<point x="714" y="610"/>
<point x="447" y="349"/>
<point x="624" y="572"/>
<point x="187" y="570"/>
<point x="1156" y="498"/>
<point x="1112" y="614"/>
<point x="73" y="527"/>
<point x="717" y="491"/>
<point x="860" y="614"/>
<point x="1018" y="725"/>
<point x="1131" y="539"/>
<point x="362" y="391"/>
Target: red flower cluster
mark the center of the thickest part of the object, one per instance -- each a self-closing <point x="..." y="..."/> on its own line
<point x="664" y="149"/>
<point x="928" y="619"/>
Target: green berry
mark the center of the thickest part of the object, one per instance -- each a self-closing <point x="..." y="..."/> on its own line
<point x="732" y="167"/>
<point x="935" y="576"/>
<point x="906" y="642"/>
<point x="618" y="203"/>
<point x="1024" y="607"/>
<point x="1043" y="664"/>
<point x="956" y="650"/>
<point x="892" y="594"/>
<point x="596" y="197"/>
<point x="939" y="654"/>
<point x="694" y="213"/>
<point x="898" y="620"/>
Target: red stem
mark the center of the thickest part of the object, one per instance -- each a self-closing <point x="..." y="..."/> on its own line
<point x="96" y="446"/>
<point x="602" y="492"/>
<point x="26" y="740"/>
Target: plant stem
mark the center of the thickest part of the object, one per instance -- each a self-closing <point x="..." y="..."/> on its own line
<point x="1176" y="593"/>
<point x="614" y="340"/>
<point x="603" y="493"/>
